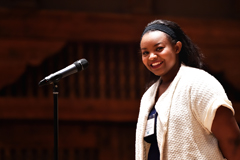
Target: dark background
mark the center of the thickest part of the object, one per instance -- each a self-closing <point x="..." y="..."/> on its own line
<point x="98" y="107"/>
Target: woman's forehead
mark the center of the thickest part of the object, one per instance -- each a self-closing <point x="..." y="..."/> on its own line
<point x="153" y="37"/>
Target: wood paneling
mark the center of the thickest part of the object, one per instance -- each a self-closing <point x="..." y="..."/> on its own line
<point x="69" y="109"/>
<point x="98" y="107"/>
<point x="78" y="140"/>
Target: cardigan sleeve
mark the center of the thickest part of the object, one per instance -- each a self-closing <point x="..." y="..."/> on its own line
<point x="207" y="95"/>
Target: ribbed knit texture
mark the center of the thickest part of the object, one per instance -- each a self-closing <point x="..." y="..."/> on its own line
<point x="185" y="114"/>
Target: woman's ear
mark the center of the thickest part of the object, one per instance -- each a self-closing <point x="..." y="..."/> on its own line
<point x="178" y="46"/>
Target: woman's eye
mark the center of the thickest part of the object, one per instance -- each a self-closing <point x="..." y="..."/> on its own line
<point x="145" y="53"/>
<point x="159" y="48"/>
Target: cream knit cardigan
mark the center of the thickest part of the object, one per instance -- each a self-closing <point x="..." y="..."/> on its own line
<point x="185" y="114"/>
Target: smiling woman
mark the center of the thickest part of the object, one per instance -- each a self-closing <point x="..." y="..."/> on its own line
<point x="185" y="112"/>
<point x="159" y="55"/>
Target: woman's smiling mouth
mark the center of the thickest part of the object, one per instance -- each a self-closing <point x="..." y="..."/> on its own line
<point x="156" y="64"/>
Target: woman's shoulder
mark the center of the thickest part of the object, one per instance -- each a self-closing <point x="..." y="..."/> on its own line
<point x="195" y="72"/>
<point x="196" y="75"/>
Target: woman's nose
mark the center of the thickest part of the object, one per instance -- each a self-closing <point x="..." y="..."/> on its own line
<point x="152" y="56"/>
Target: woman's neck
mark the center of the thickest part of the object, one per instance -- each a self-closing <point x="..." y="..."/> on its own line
<point x="168" y="78"/>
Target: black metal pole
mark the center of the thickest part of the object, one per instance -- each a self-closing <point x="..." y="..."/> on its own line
<point x="55" y="96"/>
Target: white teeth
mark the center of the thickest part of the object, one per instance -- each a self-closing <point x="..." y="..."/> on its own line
<point x="155" y="64"/>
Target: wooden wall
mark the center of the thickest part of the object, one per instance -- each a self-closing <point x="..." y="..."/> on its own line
<point x="98" y="107"/>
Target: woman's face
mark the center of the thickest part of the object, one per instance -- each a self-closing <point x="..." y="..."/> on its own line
<point x="159" y="55"/>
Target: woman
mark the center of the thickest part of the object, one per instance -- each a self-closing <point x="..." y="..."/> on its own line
<point x="185" y="112"/>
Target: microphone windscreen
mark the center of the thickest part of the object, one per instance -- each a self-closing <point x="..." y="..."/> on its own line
<point x="81" y="64"/>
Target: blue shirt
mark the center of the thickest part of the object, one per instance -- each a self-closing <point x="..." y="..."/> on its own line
<point x="154" y="153"/>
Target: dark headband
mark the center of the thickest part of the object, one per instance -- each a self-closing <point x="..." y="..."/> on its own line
<point x="160" y="27"/>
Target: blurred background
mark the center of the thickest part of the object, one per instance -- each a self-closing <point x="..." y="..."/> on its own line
<point x="98" y="107"/>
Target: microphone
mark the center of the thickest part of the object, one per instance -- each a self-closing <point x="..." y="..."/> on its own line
<point x="71" y="69"/>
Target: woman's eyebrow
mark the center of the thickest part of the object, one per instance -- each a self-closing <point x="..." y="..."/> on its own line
<point x="157" y="44"/>
<point x="153" y="45"/>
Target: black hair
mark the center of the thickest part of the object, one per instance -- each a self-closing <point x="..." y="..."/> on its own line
<point x="189" y="55"/>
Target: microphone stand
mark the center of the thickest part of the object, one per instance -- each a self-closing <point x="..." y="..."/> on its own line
<point x="55" y="115"/>
<point x="53" y="79"/>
